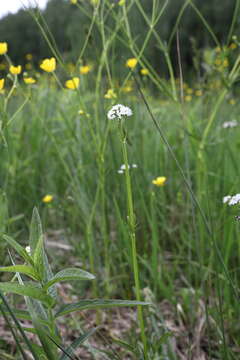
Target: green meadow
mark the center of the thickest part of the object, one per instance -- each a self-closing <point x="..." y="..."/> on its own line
<point x="119" y="184"/>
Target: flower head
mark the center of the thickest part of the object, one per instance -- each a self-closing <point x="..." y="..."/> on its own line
<point x="229" y="124"/>
<point x="131" y="63"/>
<point x="28" y="56"/>
<point x="73" y="83"/>
<point x="84" y="69"/>
<point x="159" y="181"/>
<point x="232" y="200"/>
<point x="48" y="65"/>
<point x="3" y="48"/>
<point x="15" y="70"/>
<point x="28" y="250"/>
<point x="47" y="199"/>
<point x="117" y="111"/>
<point x="110" y="94"/>
<point x="29" y="80"/>
<point x="144" y="71"/>
<point x="2" y="81"/>
<point x="73" y="1"/>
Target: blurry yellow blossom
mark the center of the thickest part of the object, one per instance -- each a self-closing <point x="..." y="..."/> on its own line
<point x="73" y="83"/>
<point x="28" y="66"/>
<point x="47" y="199"/>
<point x="3" y="48"/>
<point x="218" y="62"/>
<point x="218" y="49"/>
<point x="29" y="57"/>
<point x="198" y="92"/>
<point x="81" y="112"/>
<point x="48" y="65"/>
<point x="232" y="101"/>
<point x="189" y="91"/>
<point x="84" y="69"/>
<point x="127" y="89"/>
<point x="159" y="181"/>
<point x="29" y="80"/>
<point x="144" y="71"/>
<point x="131" y="63"/>
<point x="15" y="70"/>
<point x="2" y="66"/>
<point x="225" y="63"/>
<point x="232" y="46"/>
<point x="188" y="98"/>
<point x="110" y="94"/>
<point x="121" y="2"/>
<point x="73" y="1"/>
<point x="2" y="81"/>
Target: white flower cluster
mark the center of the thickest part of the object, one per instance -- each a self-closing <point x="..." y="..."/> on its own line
<point x="229" y="124"/>
<point x="117" y="111"/>
<point x="123" y="168"/>
<point x="231" y="200"/>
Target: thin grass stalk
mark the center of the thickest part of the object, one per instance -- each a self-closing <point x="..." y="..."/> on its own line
<point x="132" y="226"/>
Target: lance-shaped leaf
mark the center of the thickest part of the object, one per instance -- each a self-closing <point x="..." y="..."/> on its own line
<point x="38" y="257"/>
<point x="30" y="290"/>
<point x="19" y="249"/>
<point x="35" y="230"/>
<point x="96" y="304"/>
<point x="69" y="274"/>
<point x="24" y="269"/>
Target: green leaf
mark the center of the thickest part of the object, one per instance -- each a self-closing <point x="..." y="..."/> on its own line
<point x="96" y="304"/>
<point x="27" y="290"/>
<point x="77" y="342"/>
<point x="19" y="249"/>
<point x="38" y="257"/>
<point x="24" y="269"/>
<point x="23" y="314"/>
<point x="69" y="274"/>
<point x="35" y="230"/>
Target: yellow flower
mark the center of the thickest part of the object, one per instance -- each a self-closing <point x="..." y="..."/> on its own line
<point x="3" y="48"/>
<point x="218" y="62"/>
<point x="84" y="69"/>
<point x="48" y="65"/>
<point x="110" y="94"/>
<point x="15" y="70"/>
<point x="189" y="91"/>
<point x="131" y="63"/>
<point x="232" y="101"/>
<point x="29" y="80"/>
<point x="73" y="83"/>
<point x="144" y="71"/>
<point x="29" y="57"/>
<point x="47" y="199"/>
<point x="159" y="181"/>
<point x="232" y="46"/>
<point x="81" y="112"/>
<point x="218" y="49"/>
<point x="198" y="92"/>
<point x="225" y="63"/>
<point x="121" y="2"/>
<point x="188" y="98"/>
<point x="127" y="89"/>
<point x="73" y="1"/>
<point x="2" y="81"/>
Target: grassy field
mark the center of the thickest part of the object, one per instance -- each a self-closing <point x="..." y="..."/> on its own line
<point x="171" y="243"/>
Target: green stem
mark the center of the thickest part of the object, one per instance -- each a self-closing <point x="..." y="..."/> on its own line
<point x="132" y="225"/>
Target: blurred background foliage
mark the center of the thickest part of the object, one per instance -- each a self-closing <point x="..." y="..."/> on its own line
<point x="69" y="27"/>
